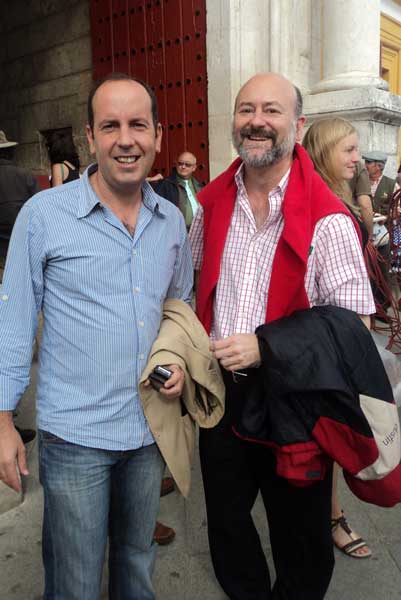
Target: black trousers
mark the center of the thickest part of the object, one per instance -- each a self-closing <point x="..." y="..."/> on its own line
<point x="234" y="471"/>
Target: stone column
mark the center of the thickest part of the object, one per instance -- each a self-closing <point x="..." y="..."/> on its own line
<point x="290" y="40"/>
<point x="245" y="37"/>
<point x="351" y="45"/>
<point x="237" y="48"/>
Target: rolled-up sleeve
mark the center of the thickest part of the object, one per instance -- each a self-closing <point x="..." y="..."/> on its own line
<point x="20" y="301"/>
<point x="336" y="267"/>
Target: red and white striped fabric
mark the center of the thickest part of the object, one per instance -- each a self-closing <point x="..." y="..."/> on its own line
<point x="336" y="272"/>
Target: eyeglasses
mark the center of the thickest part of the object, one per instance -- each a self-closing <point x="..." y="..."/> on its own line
<point x="185" y="164"/>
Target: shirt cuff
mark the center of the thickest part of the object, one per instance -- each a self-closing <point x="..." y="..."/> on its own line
<point x="11" y="391"/>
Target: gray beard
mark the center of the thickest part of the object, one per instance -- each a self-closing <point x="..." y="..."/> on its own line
<point x="272" y="156"/>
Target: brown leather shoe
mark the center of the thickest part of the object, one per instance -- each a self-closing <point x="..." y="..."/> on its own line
<point x="163" y="535"/>
<point x="167" y="486"/>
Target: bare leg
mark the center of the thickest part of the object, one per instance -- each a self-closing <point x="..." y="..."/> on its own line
<point x="343" y="535"/>
<point x="335" y="505"/>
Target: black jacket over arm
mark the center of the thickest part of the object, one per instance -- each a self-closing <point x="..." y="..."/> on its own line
<point x="322" y="394"/>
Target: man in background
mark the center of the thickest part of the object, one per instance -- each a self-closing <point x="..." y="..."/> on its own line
<point x="361" y="196"/>
<point x="17" y="185"/>
<point x="181" y="186"/>
<point x="381" y="186"/>
<point x="382" y="189"/>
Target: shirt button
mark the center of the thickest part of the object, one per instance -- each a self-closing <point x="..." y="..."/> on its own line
<point x="134" y="252"/>
<point x="4" y="297"/>
<point x="141" y="356"/>
<point x="141" y="323"/>
<point x="137" y="289"/>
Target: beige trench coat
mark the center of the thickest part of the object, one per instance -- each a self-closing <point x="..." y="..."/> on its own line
<point x="182" y="340"/>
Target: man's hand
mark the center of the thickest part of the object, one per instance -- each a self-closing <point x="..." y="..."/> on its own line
<point x="156" y="177"/>
<point x="12" y="455"/>
<point x="239" y="351"/>
<point x="174" y="384"/>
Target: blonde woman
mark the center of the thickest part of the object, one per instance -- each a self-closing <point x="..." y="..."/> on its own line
<point x="333" y="146"/>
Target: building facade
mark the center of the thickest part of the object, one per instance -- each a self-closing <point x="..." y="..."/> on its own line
<point x="345" y="55"/>
<point x="332" y="49"/>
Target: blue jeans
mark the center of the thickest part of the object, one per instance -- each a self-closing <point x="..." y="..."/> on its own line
<point x="91" y="494"/>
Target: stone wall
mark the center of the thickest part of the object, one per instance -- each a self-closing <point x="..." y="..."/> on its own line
<point x="45" y="74"/>
<point x="375" y="113"/>
<point x="245" y="37"/>
<point x="329" y="48"/>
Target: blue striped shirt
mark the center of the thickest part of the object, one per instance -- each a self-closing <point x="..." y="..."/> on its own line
<point x="101" y="292"/>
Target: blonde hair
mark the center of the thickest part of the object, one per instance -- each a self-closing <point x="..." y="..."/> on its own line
<point x="320" y="142"/>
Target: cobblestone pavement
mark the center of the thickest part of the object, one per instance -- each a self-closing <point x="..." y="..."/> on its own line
<point x="183" y="569"/>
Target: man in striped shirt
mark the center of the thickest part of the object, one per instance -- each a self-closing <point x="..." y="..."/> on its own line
<point x="245" y="207"/>
<point x="98" y="256"/>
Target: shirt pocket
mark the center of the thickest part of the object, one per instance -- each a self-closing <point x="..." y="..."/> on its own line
<point x="158" y="271"/>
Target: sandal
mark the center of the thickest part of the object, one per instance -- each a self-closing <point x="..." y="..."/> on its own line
<point x="355" y="544"/>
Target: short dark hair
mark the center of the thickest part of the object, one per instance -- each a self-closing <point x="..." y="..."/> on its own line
<point x="122" y="77"/>
<point x="61" y="147"/>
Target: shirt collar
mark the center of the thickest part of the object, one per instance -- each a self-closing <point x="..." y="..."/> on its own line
<point x="280" y="187"/>
<point x="276" y="196"/>
<point x="152" y="200"/>
<point x="378" y="180"/>
<point x="184" y="182"/>
<point x="89" y="199"/>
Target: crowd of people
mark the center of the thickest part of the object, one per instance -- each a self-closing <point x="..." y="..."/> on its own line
<point x="109" y="260"/>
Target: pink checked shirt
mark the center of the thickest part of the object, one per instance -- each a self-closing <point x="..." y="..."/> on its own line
<point x="335" y="275"/>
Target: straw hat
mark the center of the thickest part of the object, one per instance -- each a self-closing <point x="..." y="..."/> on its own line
<point x="4" y="142"/>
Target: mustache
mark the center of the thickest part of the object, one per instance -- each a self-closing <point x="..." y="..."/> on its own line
<point x="259" y="132"/>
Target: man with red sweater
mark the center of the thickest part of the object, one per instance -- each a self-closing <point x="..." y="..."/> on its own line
<point x="270" y="238"/>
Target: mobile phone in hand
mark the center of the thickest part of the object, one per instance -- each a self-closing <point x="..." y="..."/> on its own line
<point x="159" y="376"/>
